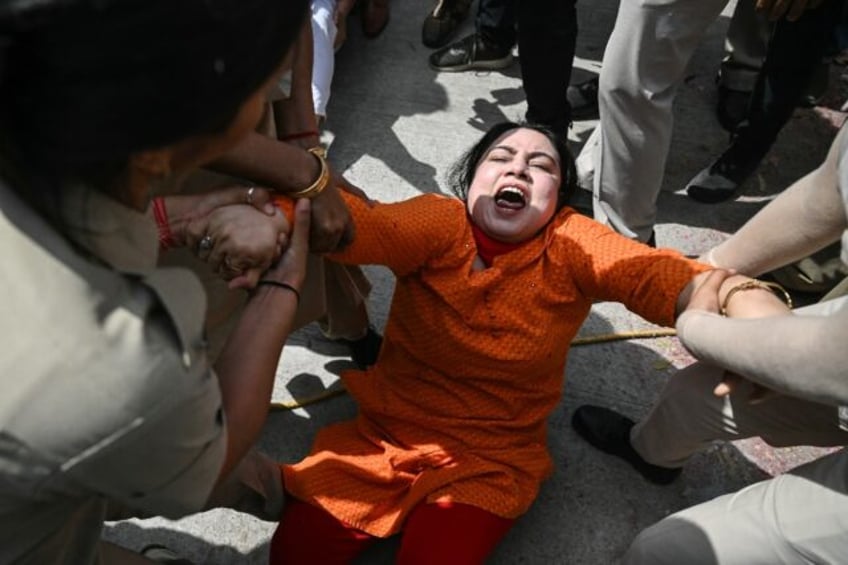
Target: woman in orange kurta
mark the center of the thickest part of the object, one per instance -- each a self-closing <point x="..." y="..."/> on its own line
<point x="491" y="289"/>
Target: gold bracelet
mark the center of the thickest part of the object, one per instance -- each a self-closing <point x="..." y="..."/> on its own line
<point x="323" y="180"/>
<point x="748" y="285"/>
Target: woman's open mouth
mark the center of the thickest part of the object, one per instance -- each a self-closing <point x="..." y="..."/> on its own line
<point x="510" y="197"/>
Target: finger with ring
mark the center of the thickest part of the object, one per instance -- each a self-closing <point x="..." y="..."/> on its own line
<point x="250" y="192"/>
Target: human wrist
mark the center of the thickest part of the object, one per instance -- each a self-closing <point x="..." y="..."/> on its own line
<point x="275" y="285"/>
<point x="767" y="296"/>
<point x="323" y="177"/>
<point x="308" y="137"/>
<point x="275" y="292"/>
<point x="174" y="215"/>
<point x="167" y="239"/>
<point x="179" y="219"/>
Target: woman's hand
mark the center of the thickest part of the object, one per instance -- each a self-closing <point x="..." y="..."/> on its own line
<point x="705" y="297"/>
<point x="711" y="290"/>
<point x="291" y="266"/>
<point x="191" y="209"/>
<point x="241" y="242"/>
<point x="703" y="292"/>
<point x="332" y="227"/>
<point x="259" y="198"/>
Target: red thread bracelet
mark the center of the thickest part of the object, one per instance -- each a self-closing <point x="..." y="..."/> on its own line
<point x="166" y="237"/>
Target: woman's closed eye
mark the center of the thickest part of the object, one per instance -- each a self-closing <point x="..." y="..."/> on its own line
<point x="543" y="164"/>
<point x="500" y="156"/>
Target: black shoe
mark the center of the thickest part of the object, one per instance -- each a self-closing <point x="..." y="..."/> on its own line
<point x="732" y="107"/>
<point x="365" y="350"/>
<point x="470" y="53"/>
<point x="440" y="24"/>
<point x="609" y="431"/>
<point x="721" y="180"/>
<point x="583" y="99"/>
<point x="812" y="276"/>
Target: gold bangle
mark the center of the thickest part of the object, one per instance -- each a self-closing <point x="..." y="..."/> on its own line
<point x="748" y="285"/>
<point x="321" y="182"/>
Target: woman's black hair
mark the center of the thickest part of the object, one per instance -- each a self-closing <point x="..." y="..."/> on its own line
<point x="84" y="84"/>
<point x="462" y="172"/>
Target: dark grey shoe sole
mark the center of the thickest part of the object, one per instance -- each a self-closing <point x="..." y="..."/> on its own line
<point x="489" y="65"/>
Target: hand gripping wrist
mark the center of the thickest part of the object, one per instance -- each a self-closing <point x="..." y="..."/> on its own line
<point x="755" y="284"/>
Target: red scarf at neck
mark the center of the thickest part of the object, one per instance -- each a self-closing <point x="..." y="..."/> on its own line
<point x="488" y="248"/>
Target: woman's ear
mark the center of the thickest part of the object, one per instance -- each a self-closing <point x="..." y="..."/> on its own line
<point x="154" y="163"/>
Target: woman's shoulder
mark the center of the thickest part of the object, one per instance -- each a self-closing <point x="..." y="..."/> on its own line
<point x="434" y="202"/>
<point x="421" y="204"/>
<point x="572" y="225"/>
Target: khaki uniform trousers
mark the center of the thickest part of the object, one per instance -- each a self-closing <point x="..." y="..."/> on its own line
<point x="798" y="517"/>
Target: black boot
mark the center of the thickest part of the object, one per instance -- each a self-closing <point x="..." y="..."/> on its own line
<point x="609" y="431"/>
<point x="722" y="179"/>
<point x="732" y="107"/>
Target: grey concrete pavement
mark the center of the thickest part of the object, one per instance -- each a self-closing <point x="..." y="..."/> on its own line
<point x="395" y="127"/>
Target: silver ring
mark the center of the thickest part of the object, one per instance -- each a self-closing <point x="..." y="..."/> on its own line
<point x="205" y="243"/>
<point x="250" y="194"/>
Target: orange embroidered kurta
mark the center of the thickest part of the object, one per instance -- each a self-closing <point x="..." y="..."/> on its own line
<point x="472" y="362"/>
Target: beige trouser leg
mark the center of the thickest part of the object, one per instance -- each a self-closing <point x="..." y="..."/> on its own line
<point x="799" y="517"/>
<point x="745" y="46"/>
<point x="687" y="417"/>
<point x="644" y="64"/>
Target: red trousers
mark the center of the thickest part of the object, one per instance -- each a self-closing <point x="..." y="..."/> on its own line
<point x="444" y="533"/>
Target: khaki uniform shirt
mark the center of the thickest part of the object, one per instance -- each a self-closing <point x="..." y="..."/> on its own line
<point x="107" y="395"/>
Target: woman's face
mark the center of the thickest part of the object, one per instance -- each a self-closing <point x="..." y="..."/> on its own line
<point x="514" y="191"/>
<point x="197" y="151"/>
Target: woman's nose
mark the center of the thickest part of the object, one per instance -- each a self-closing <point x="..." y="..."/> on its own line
<point x="519" y="168"/>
